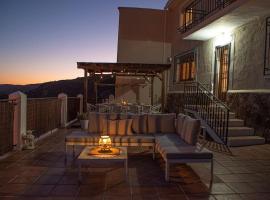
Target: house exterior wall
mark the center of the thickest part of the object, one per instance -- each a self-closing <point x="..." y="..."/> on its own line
<point x="142" y="39"/>
<point x="249" y="90"/>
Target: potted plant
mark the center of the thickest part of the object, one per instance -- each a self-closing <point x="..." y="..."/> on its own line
<point x="83" y="120"/>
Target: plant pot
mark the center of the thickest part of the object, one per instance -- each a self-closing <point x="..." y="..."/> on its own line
<point x="84" y="124"/>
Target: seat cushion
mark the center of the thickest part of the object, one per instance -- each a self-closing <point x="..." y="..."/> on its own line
<point x="189" y="153"/>
<point x="117" y="127"/>
<point x="134" y="139"/>
<point x="169" y="140"/>
<point x="191" y="130"/>
<point x="92" y="139"/>
<point x="180" y="123"/>
<point x="83" y="138"/>
<point x="161" y="123"/>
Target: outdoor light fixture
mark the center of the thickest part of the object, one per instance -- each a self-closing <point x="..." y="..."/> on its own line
<point x="105" y="144"/>
<point x="223" y="39"/>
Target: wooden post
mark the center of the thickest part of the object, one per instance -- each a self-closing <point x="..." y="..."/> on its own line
<point x="85" y="92"/>
<point x="152" y="91"/>
<point x="163" y="92"/>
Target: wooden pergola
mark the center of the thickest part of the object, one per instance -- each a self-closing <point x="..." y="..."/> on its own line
<point x="124" y="69"/>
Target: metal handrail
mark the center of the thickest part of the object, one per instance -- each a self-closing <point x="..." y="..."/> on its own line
<point x="211" y="109"/>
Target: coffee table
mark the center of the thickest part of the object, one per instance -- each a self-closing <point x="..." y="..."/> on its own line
<point x="86" y="158"/>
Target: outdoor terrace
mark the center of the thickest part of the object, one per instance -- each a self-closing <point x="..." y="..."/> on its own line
<point x="42" y="174"/>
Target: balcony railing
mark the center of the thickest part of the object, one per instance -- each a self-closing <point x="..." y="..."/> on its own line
<point x="73" y="108"/>
<point x="43" y="115"/>
<point x="199" y="10"/>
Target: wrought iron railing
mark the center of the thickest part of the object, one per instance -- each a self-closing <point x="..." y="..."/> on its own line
<point x="73" y="108"/>
<point x="199" y="10"/>
<point x="267" y="49"/>
<point x="43" y="115"/>
<point x="213" y="111"/>
<point x="6" y="126"/>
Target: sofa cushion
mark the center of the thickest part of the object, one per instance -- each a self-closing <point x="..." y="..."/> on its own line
<point x="139" y="124"/>
<point x="191" y="130"/>
<point x="95" y="124"/>
<point x="180" y="124"/>
<point x="169" y="140"/>
<point x="117" y="127"/>
<point x="138" y="138"/>
<point x="189" y="153"/>
<point x="92" y="139"/>
<point x="161" y="123"/>
<point x="83" y="138"/>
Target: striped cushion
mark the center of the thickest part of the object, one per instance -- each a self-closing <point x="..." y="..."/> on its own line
<point x="96" y="122"/>
<point x="139" y="124"/>
<point x="191" y="130"/>
<point x="117" y="127"/>
<point x="180" y="124"/>
<point x="161" y="123"/>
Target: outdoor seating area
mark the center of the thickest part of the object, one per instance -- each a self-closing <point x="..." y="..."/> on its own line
<point x="42" y="174"/>
<point x="175" y="139"/>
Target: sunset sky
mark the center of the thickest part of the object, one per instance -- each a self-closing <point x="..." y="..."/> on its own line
<point x="41" y="40"/>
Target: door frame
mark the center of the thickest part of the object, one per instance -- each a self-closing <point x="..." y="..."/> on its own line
<point x="216" y="80"/>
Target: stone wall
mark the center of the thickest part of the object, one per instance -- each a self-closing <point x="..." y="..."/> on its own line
<point x="254" y="108"/>
<point x="175" y="103"/>
<point x="249" y="50"/>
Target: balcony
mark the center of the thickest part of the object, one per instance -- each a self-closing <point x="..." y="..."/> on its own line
<point x="199" y="10"/>
<point x="204" y="20"/>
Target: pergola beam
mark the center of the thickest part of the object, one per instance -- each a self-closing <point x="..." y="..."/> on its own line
<point x="125" y="69"/>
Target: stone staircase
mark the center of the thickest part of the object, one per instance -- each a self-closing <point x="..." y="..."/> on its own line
<point x="240" y="135"/>
<point x="217" y="118"/>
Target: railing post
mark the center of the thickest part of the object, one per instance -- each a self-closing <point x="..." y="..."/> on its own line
<point x="80" y="96"/>
<point x="64" y="112"/>
<point x="20" y="117"/>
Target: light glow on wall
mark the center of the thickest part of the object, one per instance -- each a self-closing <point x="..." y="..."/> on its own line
<point x="223" y="39"/>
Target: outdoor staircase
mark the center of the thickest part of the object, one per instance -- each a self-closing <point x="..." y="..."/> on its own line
<point x="240" y="135"/>
<point x="221" y="124"/>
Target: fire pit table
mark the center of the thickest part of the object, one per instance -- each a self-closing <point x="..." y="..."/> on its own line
<point x="95" y="155"/>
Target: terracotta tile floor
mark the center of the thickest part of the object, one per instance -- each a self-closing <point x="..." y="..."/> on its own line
<point x="42" y="174"/>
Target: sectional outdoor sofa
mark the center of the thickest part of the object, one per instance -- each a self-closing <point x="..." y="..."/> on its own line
<point x="175" y="138"/>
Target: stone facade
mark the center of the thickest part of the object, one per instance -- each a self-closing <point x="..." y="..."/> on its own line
<point x="254" y="108"/>
<point x="175" y="103"/>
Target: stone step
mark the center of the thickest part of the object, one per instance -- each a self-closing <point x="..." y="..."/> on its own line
<point x="240" y="131"/>
<point x="245" y="141"/>
<point x="232" y="115"/>
<point x="236" y="122"/>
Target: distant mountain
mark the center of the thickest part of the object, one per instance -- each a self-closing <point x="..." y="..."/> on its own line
<point x="71" y="87"/>
<point x="6" y="89"/>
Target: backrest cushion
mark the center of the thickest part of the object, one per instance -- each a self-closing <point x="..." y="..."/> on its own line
<point x="117" y="127"/>
<point x="191" y="130"/>
<point x="180" y="124"/>
<point x="95" y="124"/>
<point x="139" y="124"/>
<point x="161" y="123"/>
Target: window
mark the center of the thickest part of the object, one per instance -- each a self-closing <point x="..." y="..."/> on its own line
<point x="267" y="49"/>
<point x="186" y="17"/>
<point x="185" y="67"/>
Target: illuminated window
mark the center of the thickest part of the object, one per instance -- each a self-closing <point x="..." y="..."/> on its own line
<point x="186" y="17"/>
<point x="185" y="67"/>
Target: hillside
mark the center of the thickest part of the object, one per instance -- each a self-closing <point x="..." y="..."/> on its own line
<point x="71" y="87"/>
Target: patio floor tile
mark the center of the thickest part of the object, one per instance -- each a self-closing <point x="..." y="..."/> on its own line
<point x="42" y="174"/>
